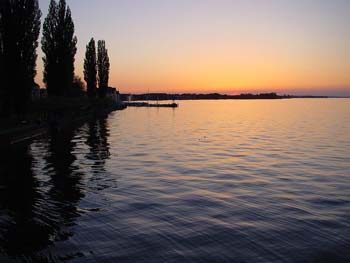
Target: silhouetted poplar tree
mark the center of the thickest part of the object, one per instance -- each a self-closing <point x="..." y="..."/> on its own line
<point x="90" y="69"/>
<point x="59" y="46"/>
<point x="2" y="87"/>
<point x="19" y="32"/>
<point x="103" y="68"/>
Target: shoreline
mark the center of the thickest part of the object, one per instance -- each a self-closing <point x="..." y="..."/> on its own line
<point x="55" y="119"/>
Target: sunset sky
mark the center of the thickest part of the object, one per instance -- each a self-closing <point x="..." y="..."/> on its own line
<point x="226" y="46"/>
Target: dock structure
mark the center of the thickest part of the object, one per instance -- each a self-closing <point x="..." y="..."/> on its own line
<point x="146" y="104"/>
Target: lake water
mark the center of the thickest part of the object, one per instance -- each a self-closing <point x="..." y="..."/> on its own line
<point x="211" y="181"/>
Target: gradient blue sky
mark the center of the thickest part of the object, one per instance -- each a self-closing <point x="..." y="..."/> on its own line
<point x="227" y="46"/>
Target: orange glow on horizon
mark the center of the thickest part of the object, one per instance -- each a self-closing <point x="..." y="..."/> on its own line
<point x="219" y="46"/>
<point x="217" y="67"/>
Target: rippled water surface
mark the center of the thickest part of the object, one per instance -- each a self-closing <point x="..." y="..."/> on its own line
<point x="211" y="181"/>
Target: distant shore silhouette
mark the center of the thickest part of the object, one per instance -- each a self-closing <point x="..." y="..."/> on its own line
<point x="209" y="96"/>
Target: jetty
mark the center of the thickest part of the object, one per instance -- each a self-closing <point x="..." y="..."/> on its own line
<point x="146" y="104"/>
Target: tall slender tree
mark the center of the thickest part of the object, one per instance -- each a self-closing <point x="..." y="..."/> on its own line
<point x="90" y="69"/>
<point x="59" y="46"/>
<point x="103" y="68"/>
<point x="19" y="32"/>
<point x="2" y="87"/>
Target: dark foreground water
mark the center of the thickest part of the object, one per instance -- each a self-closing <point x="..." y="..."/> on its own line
<point x="211" y="181"/>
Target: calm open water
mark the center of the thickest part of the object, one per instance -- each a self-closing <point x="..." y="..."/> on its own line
<point x="211" y="181"/>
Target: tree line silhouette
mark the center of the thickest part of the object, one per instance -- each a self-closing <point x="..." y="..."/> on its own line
<point x="93" y="65"/>
<point x="20" y="23"/>
<point x="19" y="32"/>
<point x="59" y="46"/>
